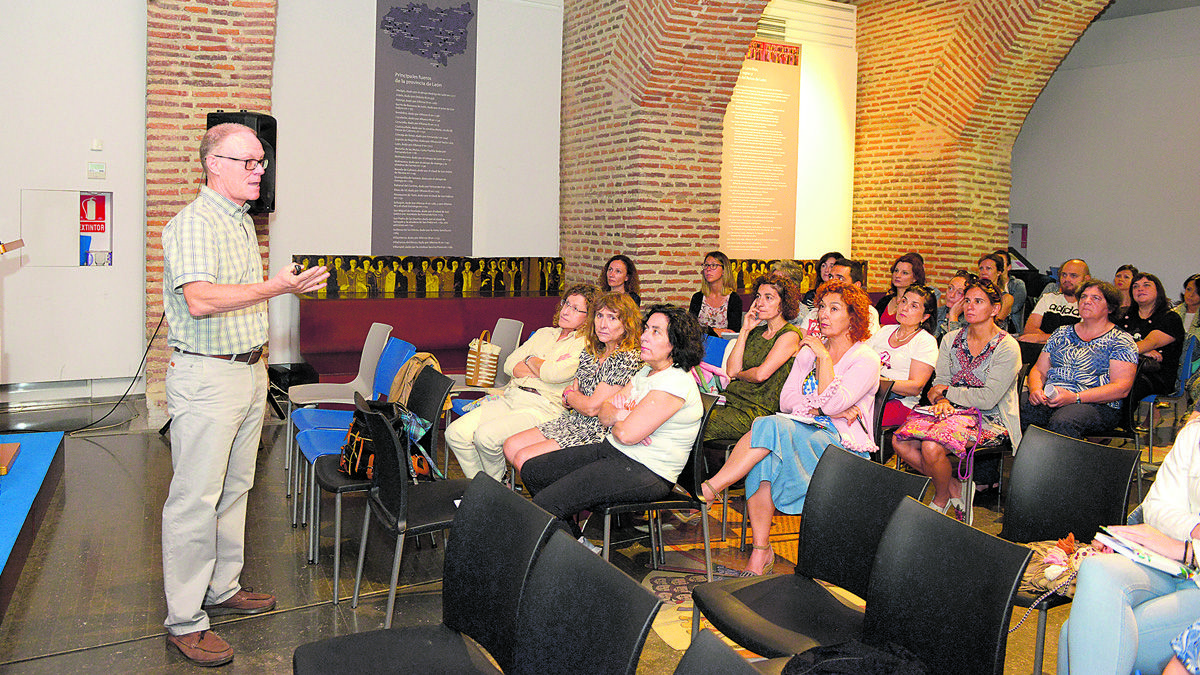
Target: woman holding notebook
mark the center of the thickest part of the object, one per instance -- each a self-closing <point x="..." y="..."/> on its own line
<point x="1125" y="614"/>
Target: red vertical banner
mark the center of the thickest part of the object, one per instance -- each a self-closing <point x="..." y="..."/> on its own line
<point x="92" y="212"/>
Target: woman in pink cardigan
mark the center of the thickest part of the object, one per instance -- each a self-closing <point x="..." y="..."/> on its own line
<point x="832" y="387"/>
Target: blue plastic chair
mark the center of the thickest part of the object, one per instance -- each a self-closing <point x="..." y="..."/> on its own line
<point x="395" y="353"/>
<point x="714" y="350"/>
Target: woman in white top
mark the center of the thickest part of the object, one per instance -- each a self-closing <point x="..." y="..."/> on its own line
<point x="907" y="352"/>
<point x="653" y="424"/>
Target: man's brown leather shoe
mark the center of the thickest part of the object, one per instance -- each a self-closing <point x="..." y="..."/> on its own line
<point x="203" y="648"/>
<point x="243" y="602"/>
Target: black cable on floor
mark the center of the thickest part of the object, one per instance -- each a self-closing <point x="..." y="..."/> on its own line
<point x="121" y="400"/>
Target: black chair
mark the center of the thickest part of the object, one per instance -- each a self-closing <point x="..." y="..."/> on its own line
<point x="881" y="397"/>
<point x="1127" y="430"/>
<point x="845" y="512"/>
<point x="401" y="507"/>
<point x="494" y="540"/>
<point x="580" y="615"/>
<point x="1059" y="486"/>
<point x="685" y="496"/>
<point x="943" y="590"/>
<point x="708" y="655"/>
<point x="427" y="400"/>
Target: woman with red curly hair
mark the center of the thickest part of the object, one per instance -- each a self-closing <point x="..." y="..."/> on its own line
<point x="834" y="373"/>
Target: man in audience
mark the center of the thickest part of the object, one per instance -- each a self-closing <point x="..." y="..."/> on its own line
<point x="851" y="272"/>
<point x="1054" y="310"/>
<point x="215" y="299"/>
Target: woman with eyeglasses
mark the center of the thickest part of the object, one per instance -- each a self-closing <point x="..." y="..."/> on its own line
<point x="1159" y="335"/>
<point x="761" y="358"/>
<point x="908" y="269"/>
<point x="907" y="352"/>
<point x="717" y="306"/>
<point x="541" y="368"/>
<point x="977" y="372"/>
<point x="1078" y="382"/>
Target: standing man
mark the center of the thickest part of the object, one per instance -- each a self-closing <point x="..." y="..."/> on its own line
<point x="214" y="295"/>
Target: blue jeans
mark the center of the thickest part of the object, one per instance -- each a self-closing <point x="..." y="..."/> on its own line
<point x="1123" y="617"/>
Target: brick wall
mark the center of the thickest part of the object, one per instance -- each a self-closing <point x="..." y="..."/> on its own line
<point x="944" y="87"/>
<point x="645" y="86"/>
<point x="201" y="56"/>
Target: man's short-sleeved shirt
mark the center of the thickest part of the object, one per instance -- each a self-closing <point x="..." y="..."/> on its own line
<point x="212" y="239"/>
<point x="1056" y="312"/>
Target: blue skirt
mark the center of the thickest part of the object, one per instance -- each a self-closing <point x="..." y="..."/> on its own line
<point x="795" y="448"/>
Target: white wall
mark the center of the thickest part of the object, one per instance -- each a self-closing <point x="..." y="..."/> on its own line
<point x="323" y="98"/>
<point x="73" y="72"/>
<point x="1107" y="165"/>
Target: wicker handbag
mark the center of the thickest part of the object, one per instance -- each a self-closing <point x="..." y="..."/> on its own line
<point x="482" y="358"/>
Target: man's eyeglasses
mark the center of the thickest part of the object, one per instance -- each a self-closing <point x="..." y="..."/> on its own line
<point x="251" y="163"/>
<point x="712" y="266"/>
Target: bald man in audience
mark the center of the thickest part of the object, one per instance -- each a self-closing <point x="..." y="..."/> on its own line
<point x="1055" y="310"/>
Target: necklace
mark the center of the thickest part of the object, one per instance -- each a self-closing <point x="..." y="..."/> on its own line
<point x="901" y="341"/>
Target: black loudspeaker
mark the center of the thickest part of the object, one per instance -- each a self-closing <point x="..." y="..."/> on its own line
<point x="264" y="126"/>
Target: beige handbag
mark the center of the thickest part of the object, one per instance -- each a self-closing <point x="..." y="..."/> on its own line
<point x="482" y="358"/>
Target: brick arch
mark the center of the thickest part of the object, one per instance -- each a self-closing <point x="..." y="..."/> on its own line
<point x="645" y="86"/>
<point x="944" y="88"/>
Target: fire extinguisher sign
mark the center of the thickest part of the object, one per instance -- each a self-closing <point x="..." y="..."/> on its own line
<point x="92" y="208"/>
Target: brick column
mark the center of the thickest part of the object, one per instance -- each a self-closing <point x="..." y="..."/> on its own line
<point x="201" y="56"/>
<point x="645" y="86"/>
<point x="943" y="90"/>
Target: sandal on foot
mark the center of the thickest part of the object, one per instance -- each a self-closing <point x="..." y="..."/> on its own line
<point x="767" y="568"/>
<point x="706" y="484"/>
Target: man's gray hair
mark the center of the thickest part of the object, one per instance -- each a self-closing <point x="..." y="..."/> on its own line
<point x="213" y="137"/>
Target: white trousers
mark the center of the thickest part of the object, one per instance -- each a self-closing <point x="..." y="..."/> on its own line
<point x="217" y="410"/>
<point x="477" y="438"/>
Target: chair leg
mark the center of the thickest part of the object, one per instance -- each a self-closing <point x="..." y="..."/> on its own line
<point x="387" y="620"/>
<point x="695" y="619"/>
<point x="337" y="545"/>
<point x="362" y="554"/>
<point x="707" y="547"/>
<point x="314" y="530"/>
<point x="296" y="480"/>
<point x="655" y="539"/>
<point x="1039" y="645"/>
<point x="287" y="456"/>
<point x="607" y="533"/>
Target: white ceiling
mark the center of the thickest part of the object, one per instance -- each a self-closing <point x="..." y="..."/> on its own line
<point x="1123" y="8"/>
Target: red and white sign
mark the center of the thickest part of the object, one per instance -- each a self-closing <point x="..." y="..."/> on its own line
<point x="92" y="209"/>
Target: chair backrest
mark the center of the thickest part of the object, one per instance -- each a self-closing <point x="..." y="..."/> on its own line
<point x="847" y="506"/>
<point x="377" y="337"/>
<point x="495" y="539"/>
<point x="580" y="614"/>
<point x="1185" y="365"/>
<point x="708" y="655"/>
<point x="881" y="397"/>
<point x="714" y="350"/>
<point x="507" y="334"/>
<point x="427" y="399"/>
<point x="1063" y="485"/>
<point x="943" y="590"/>
<point x="693" y="473"/>
<point x="389" y="480"/>
<point x="395" y="353"/>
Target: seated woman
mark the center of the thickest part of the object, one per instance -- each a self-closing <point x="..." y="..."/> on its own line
<point x="540" y="369"/>
<point x="977" y="368"/>
<point x="610" y="357"/>
<point x="1087" y="369"/>
<point x="1125" y="614"/>
<point x="908" y="269"/>
<point x="907" y="352"/>
<point x="991" y="267"/>
<point x="1188" y="308"/>
<point x="949" y="315"/>
<point x="653" y="424"/>
<point x="621" y="276"/>
<point x="1016" y="288"/>
<point x="833" y="372"/>
<point x="717" y="305"/>
<point x="1159" y="335"/>
<point x="1122" y="279"/>
<point x="824" y="273"/>
<point x="761" y="358"/>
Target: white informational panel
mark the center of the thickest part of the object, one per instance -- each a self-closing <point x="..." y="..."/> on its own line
<point x="75" y="95"/>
